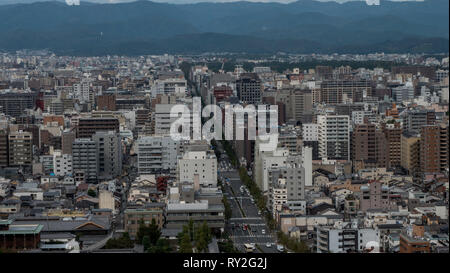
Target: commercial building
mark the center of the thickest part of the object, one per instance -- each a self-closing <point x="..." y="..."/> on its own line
<point x="341" y="91"/>
<point x="14" y="103"/>
<point x="200" y="163"/>
<point x="345" y="238"/>
<point x="87" y="127"/>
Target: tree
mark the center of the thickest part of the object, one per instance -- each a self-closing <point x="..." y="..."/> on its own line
<point x="142" y="230"/>
<point x="162" y="246"/>
<point x="92" y="193"/>
<point x="185" y="245"/>
<point x="146" y="242"/>
<point x="153" y="232"/>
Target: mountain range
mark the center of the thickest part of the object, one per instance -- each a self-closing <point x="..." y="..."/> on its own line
<point x="304" y="26"/>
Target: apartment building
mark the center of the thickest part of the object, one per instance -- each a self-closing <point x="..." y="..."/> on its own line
<point x="410" y="153"/>
<point x="157" y="154"/>
<point x="20" y="150"/>
<point x="62" y="163"/>
<point x="85" y="159"/>
<point x="334" y="136"/>
<point x="434" y="148"/>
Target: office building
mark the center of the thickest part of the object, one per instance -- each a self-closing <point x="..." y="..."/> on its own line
<point x="110" y="153"/>
<point x="85" y="159"/>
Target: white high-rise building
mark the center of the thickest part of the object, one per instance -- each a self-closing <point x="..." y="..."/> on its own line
<point x="157" y="154"/>
<point x="202" y="163"/>
<point x="334" y="136"/>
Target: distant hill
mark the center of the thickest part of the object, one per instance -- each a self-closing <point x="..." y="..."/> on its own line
<point x="305" y="26"/>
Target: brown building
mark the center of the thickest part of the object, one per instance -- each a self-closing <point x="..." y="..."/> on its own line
<point x="106" y="102"/>
<point x="133" y="216"/>
<point x="222" y="92"/>
<point x="51" y="119"/>
<point x="410" y="153"/>
<point x="19" y="236"/>
<point x="434" y="148"/>
<point x="393" y="139"/>
<point x="375" y="195"/>
<point x="20" y="148"/>
<point x="413" y="245"/>
<point x="67" y="138"/>
<point x="3" y="148"/>
<point x="369" y="146"/>
<point x="88" y="126"/>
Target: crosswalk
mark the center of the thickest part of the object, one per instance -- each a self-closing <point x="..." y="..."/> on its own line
<point x="250" y="236"/>
<point x="246" y="218"/>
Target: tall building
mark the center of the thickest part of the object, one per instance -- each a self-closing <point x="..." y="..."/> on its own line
<point x="415" y="119"/>
<point x="334" y="137"/>
<point x="393" y="134"/>
<point x="369" y="146"/>
<point x="88" y="126"/>
<point x="67" y="138"/>
<point x="14" y="103"/>
<point x="4" y="148"/>
<point x="434" y="148"/>
<point x="85" y="158"/>
<point x="301" y="105"/>
<point x="20" y="148"/>
<point x="109" y="153"/>
<point x="410" y="153"/>
<point x="249" y="88"/>
<point x="157" y="154"/>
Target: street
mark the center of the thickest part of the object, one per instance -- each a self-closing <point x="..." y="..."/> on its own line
<point x="249" y="214"/>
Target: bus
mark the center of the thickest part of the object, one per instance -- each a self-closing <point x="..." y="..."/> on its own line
<point x="249" y="247"/>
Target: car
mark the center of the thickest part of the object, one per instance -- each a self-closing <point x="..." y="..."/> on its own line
<point x="280" y="248"/>
<point x="268" y="245"/>
<point x="259" y="213"/>
<point x="263" y="231"/>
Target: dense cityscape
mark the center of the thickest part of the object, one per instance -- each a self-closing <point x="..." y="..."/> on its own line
<point x="88" y="162"/>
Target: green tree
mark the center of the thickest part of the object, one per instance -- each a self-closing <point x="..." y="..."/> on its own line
<point x="154" y="232"/>
<point x="185" y="244"/>
<point x="92" y="193"/>
<point x="146" y="242"/>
